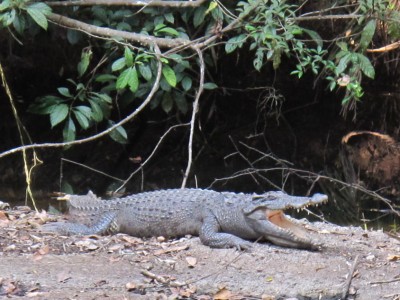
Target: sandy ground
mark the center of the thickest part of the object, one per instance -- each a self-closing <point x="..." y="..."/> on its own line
<point x="47" y="266"/>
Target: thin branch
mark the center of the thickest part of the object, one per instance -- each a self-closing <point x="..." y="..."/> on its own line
<point x="107" y="131"/>
<point x="139" y="3"/>
<point x="194" y="112"/>
<point x="142" y="39"/>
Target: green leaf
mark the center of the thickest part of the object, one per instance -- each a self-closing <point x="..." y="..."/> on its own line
<point x="123" y="79"/>
<point x="181" y="103"/>
<point x="19" y="23"/>
<point x="167" y="103"/>
<point x="211" y="7"/>
<point x="85" y="110"/>
<point x="82" y="119"/>
<point x="74" y="36"/>
<point x="69" y="131"/>
<point x="367" y="34"/>
<point x="186" y="83"/>
<point x="133" y="80"/>
<point x="97" y="112"/>
<point x="58" y="114"/>
<point x="43" y="7"/>
<point x="118" y="64"/>
<point x="145" y="71"/>
<point x="85" y="60"/>
<point x="128" y="57"/>
<point x="366" y="67"/>
<point x="169" y="17"/>
<point x="118" y="134"/>
<point x="199" y="15"/>
<point x="169" y="30"/>
<point x="169" y="75"/>
<point x="38" y="16"/>
<point x="314" y="36"/>
<point x="5" y="4"/>
<point x="210" y="86"/>
<point x="64" y="91"/>
<point x="235" y="42"/>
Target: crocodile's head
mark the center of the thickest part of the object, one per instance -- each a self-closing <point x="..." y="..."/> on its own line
<point x="265" y="215"/>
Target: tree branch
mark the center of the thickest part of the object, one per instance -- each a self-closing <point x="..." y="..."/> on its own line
<point x="107" y="32"/>
<point x="146" y="3"/>
<point x="194" y="112"/>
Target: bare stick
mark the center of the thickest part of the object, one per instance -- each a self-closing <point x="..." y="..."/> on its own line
<point x="139" y="3"/>
<point x="105" y="132"/>
<point x="349" y="278"/>
<point x="194" y="112"/>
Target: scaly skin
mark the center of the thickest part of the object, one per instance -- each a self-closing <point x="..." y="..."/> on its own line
<point x="221" y="219"/>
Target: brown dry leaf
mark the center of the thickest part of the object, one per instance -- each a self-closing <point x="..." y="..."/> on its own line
<point x="7" y="287"/>
<point x="115" y="247"/>
<point x="87" y="245"/>
<point x="171" y="249"/>
<point x="192" y="261"/>
<point x="223" y="294"/>
<point x="4" y="221"/>
<point x="393" y="257"/>
<point x="38" y="255"/>
<point x="35" y="294"/>
<point x="131" y="240"/>
<point x="267" y="297"/>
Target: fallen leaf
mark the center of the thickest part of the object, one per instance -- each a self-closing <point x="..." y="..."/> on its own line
<point x="393" y="257"/>
<point x="223" y="294"/>
<point x="171" y="249"/>
<point x="192" y="261"/>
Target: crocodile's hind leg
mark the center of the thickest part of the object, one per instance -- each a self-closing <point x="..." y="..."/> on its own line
<point x="210" y="236"/>
<point x="104" y="225"/>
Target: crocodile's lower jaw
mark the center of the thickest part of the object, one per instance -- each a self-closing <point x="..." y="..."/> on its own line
<point x="300" y="237"/>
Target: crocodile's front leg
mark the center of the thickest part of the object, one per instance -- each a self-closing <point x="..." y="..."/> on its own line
<point x="210" y="236"/>
<point x="102" y="226"/>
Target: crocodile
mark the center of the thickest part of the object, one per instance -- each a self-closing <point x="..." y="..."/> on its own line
<point x="220" y="219"/>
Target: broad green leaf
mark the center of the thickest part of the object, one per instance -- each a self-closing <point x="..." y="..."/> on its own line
<point x="85" y="60"/>
<point x="38" y="16"/>
<point x="145" y="71"/>
<point x="5" y="4"/>
<point x="342" y="66"/>
<point x="58" y="114"/>
<point x="210" y="86"/>
<point x="97" y="112"/>
<point x="169" y="30"/>
<point x="169" y="75"/>
<point x="19" y="23"/>
<point x="85" y="110"/>
<point x="199" y="15"/>
<point x="314" y="35"/>
<point x="69" y="131"/>
<point x="42" y="7"/>
<point x="235" y="42"/>
<point x="167" y="103"/>
<point x="181" y="103"/>
<point x="365" y="65"/>
<point x="118" y="134"/>
<point x="169" y="17"/>
<point x="82" y="119"/>
<point x="128" y="57"/>
<point x="133" y="80"/>
<point x="118" y="64"/>
<point x="186" y="83"/>
<point x="123" y="79"/>
<point x="104" y="97"/>
<point x="367" y="34"/>
<point x="64" y="91"/>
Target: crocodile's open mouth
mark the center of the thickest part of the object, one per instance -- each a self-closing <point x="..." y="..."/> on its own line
<point x="278" y="218"/>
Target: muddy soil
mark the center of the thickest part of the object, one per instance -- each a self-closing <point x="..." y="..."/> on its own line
<point x="47" y="266"/>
